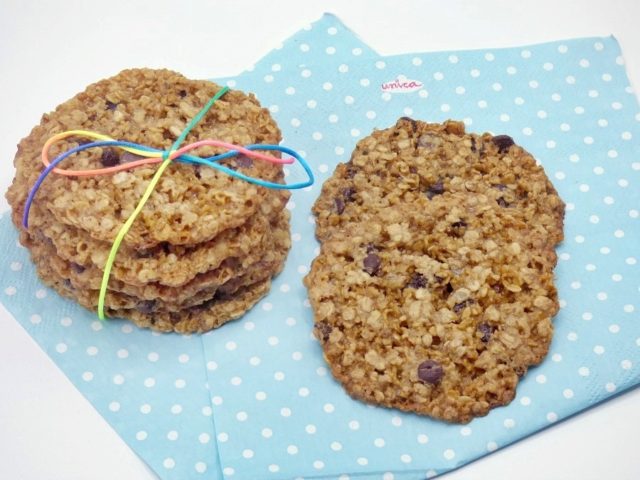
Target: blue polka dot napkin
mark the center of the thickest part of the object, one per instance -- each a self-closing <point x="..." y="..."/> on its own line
<point x="254" y="399"/>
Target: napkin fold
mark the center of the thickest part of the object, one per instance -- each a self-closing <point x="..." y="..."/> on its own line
<point x="254" y="399"/>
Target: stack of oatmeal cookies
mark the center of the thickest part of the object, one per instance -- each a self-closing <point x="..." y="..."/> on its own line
<point x="206" y="245"/>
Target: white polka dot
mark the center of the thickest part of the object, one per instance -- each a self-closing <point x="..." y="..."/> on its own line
<point x="616" y="105"/>
<point x="570" y="79"/>
<point x="279" y="376"/>
<point x="460" y="90"/>
<point x="141" y="435"/>
<point x="556" y="357"/>
<point x="242" y="416"/>
<point x="552" y="417"/>
<point x="228" y="471"/>
<point x="525" y="54"/>
<point x="10" y="290"/>
<point x="602" y="296"/>
<point x="328" y="408"/>
<point x="183" y="358"/>
<point x="551" y="144"/>
<point x="614" y="328"/>
<point x="511" y="70"/>
<point x="318" y="464"/>
<point x="355" y="132"/>
<point x="602" y="122"/>
<point x="295" y="122"/>
<point x="496" y="87"/>
<point x="630" y="261"/>
<point x="349" y="100"/>
<point x="527" y="131"/>
<point x="626" y="136"/>
<point x="584" y="188"/>
<point x="626" y="364"/>
<point x="317" y="136"/>
<point x="509" y="423"/>
<point x="540" y="378"/>
<point x="145" y="408"/>
<point x="475" y="73"/>
<point x="405" y="458"/>
<point x="465" y="431"/>
<point x="336" y="446"/>
<point x="492" y="446"/>
<point x="423" y="93"/>
<point x="593" y="93"/>
<point x="572" y="336"/>
<point x="534" y="84"/>
<point x="114" y="406"/>
<point x="247" y="453"/>
<point x="200" y="467"/>
<point x="628" y="308"/>
<point x="556" y="97"/>
<point x="583" y="372"/>
<point x="584" y="63"/>
<point x="505" y="118"/>
<point x="380" y="65"/>
<point x="204" y="438"/>
<point x="310" y="429"/>
<point x="35" y="319"/>
<point x="576" y="285"/>
<point x="61" y="347"/>
<point x="266" y="432"/>
<point x="449" y="454"/>
<point x="598" y="349"/>
<point x="354" y="425"/>
<point x="176" y="409"/>
<point x="379" y="442"/>
<point x="40" y="294"/>
<point x="169" y="463"/>
<point x="525" y="401"/>
<point x="453" y="59"/>
<point x="365" y="82"/>
<point x="598" y="170"/>
<point x="445" y="107"/>
<point x="610" y="387"/>
<point x="565" y="127"/>
<point x="616" y="277"/>
<point x="396" y="421"/>
<point x="303" y="392"/>
<point x="172" y="435"/>
<point x="579" y="110"/>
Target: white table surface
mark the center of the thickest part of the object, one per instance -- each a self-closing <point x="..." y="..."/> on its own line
<point x="51" y="50"/>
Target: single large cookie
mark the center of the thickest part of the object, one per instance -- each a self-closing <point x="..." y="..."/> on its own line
<point x="190" y="204"/>
<point x="413" y="160"/>
<point x="433" y="290"/>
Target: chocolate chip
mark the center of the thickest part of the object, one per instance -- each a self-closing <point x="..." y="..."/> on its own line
<point x="435" y="189"/>
<point x="371" y="248"/>
<point x="324" y="329"/>
<point x="109" y="158"/>
<point x="418" y="281"/>
<point x="76" y="267"/>
<point x="351" y="170"/>
<point x="244" y="161"/>
<point x="196" y="171"/>
<point x="459" y="224"/>
<point x="502" y="202"/>
<point x="182" y="93"/>
<point x="339" y="203"/>
<point x="486" y="330"/>
<point x="146" y="306"/>
<point x="503" y="142"/>
<point x="110" y="105"/>
<point x="497" y="288"/>
<point x="499" y="186"/>
<point x="473" y="145"/>
<point x="458" y="307"/>
<point x="448" y="289"/>
<point x="430" y="371"/>
<point x="414" y="124"/>
<point x="371" y="264"/>
<point x="348" y="194"/>
<point x="67" y="283"/>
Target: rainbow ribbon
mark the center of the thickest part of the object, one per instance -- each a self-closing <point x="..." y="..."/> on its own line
<point x="164" y="157"/>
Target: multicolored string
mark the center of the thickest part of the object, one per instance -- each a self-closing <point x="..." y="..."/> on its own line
<point x="164" y="157"/>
